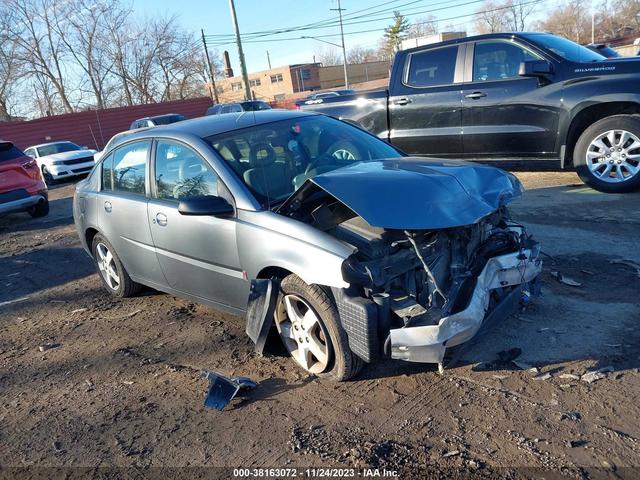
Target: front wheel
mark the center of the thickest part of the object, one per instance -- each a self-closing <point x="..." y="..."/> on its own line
<point x="309" y="326"/>
<point x="40" y="209"/>
<point x="112" y="273"/>
<point x="607" y="154"/>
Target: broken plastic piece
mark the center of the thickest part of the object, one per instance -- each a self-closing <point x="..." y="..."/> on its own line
<point x="223" y="389"/>
<point x="260" y="310"/>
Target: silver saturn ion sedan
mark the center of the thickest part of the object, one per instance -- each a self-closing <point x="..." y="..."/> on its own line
<point x="314" y="230"/>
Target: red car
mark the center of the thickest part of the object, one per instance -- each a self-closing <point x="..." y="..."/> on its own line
<point x="21" y="186"/>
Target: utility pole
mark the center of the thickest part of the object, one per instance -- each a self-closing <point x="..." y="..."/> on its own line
<point x="268" y="60"/>
<point x="214" y="92"/>
<point x="593" y="25"/>
<point x="243" y="67"/>
<point x="344" y="52"/>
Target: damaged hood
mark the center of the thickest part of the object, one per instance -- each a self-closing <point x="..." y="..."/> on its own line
<point x="417" y="193"/>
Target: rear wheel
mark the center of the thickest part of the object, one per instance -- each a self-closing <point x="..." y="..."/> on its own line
<point x="112" y="273"/>
<point x="40" y="209"/>
<point x="309" y="326"/>
<point x="607" y="154"/>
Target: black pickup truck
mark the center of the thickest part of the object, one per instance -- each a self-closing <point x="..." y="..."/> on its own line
<point x="523" y="96"/>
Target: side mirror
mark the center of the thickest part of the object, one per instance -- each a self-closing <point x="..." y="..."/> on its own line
<point x="535" y="68"/>
<point x="205" y="205"/>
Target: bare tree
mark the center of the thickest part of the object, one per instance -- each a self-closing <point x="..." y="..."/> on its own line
<point x="11" y="67"/>
<point x="423" y="27"/>
<point x="359" y="54"/>
<point x="38" y="44"/>
<point x="570" y="20"/>
<point x="507" y="16"/>
<point x="328" y="56"/>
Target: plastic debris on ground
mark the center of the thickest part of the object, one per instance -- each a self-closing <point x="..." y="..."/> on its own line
<point x="224" y="389"/>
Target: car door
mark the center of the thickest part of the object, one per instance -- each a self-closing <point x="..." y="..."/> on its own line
<point x="198" y="254"/>
<point x="425" y="108"/>
<point x="122" y="211"/>
<point x="505" y="114"/>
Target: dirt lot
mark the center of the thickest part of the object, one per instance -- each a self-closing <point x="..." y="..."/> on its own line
<point x="122" y="387"/>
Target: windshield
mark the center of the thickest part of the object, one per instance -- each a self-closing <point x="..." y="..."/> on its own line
<point x="255" y="106"/>
<point x="274" y="159"/>
<point x="166" y="120"/>
<point x="57" y="148"/>
<point x="566" y="48"/>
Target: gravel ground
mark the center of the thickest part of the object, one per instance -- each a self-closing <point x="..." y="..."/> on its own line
<point x="119" y="392"/>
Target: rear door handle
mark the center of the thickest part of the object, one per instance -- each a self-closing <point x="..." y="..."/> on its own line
<point x="402" y="101"/>
<point x="161" y="219"/>
<point x="108" y="207"/>
<point x="476" y="95"/>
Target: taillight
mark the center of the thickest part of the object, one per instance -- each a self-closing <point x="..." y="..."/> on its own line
<point x="29" y="164"/>
<point x="297" y="107"/>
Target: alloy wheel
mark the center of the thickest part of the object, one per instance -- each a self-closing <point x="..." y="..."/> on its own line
<point x="303" y="334"/>
<point x="107" y="266"/>
<point x="343" y="154"/>
<point x="614" y="156"/>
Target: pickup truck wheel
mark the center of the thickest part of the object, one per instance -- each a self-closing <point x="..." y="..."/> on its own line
<point x="607" y="154"/>
<point x="309" y="326"/>
<point x="344" y="151"/>
<point x="112" y="273"/>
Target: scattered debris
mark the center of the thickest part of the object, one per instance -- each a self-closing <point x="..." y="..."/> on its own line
<point x="127" y="382"/>
<point x="452" y="453"/>
<point x="9" y="302"/>
<point x="566" y="280"/>
<point x="570" y="376"/>
<point x="78" y="310"/>
<point x="223" y="389"/>
<point x="48" y="346"/>
<point x="544" y="376"/>
<point x="596" y="375"/>
<point x="573" y="416"/>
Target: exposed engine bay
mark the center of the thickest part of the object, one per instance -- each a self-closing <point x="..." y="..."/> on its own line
<point x="414" y="293"/>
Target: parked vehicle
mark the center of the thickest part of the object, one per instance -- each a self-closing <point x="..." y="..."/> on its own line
<point x="58" y="160"/>
<point x="117" y="137"/>
<point x="157" y="120"/>
<point x="237" y="107"/>
<point x="349" y="257"/>
<point x="21" y="186"/>
<point x="604" y="50"/>
<point x="320" y="95"/>
<point x="509" y="97"/>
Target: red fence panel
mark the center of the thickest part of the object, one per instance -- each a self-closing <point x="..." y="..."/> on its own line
<point x="94" y="128"/>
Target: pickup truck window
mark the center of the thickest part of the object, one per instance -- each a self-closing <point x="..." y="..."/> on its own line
<point x="566" y="48"/>
<point x="498" y="60"/>
<point x="432" y="67"/>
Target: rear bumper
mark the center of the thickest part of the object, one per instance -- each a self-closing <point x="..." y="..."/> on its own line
<point x="21" y="204"/>
<point x="428" y="343"/>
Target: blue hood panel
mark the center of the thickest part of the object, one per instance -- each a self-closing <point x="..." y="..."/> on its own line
<point x="419" y="193"/>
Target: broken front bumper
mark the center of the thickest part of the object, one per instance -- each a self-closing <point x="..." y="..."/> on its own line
<point x="427" y="344"/>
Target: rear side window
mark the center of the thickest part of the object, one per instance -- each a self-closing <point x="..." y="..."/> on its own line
<point x="8" y="151"/>
<point x="432" y="67"/>
<point x="130" y="167"/>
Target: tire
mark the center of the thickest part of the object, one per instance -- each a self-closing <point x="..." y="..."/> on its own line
<point x="617" y="170"/>
<point x="124" y="287"/>
<point x="39" y="210"/>
<point x="341" y="364"/>
<point x="48" y="178"/>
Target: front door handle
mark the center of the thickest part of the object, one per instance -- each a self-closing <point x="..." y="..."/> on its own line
<point x="402" y="101"/>
<point x="161" y="219"/>
<point x="108" y="207"/>
<point x="476" y="95"/>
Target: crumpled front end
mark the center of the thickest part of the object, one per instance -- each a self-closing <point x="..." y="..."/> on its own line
<point x="427" y="343"/>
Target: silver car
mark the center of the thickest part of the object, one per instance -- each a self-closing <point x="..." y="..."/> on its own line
<point x="311" y="228"/>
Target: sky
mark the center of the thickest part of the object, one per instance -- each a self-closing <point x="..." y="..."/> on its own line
<point x="266" y="15"/>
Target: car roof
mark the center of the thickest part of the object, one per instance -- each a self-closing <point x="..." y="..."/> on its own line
<point x="215" y="124"/>
<point x="159" y="116"/>
<point x="50" y="143"/>
<point x="474" y="38"/>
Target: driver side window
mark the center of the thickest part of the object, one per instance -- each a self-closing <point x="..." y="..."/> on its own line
<point x="499" y="60"/>
<point x="181" y="173"/>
